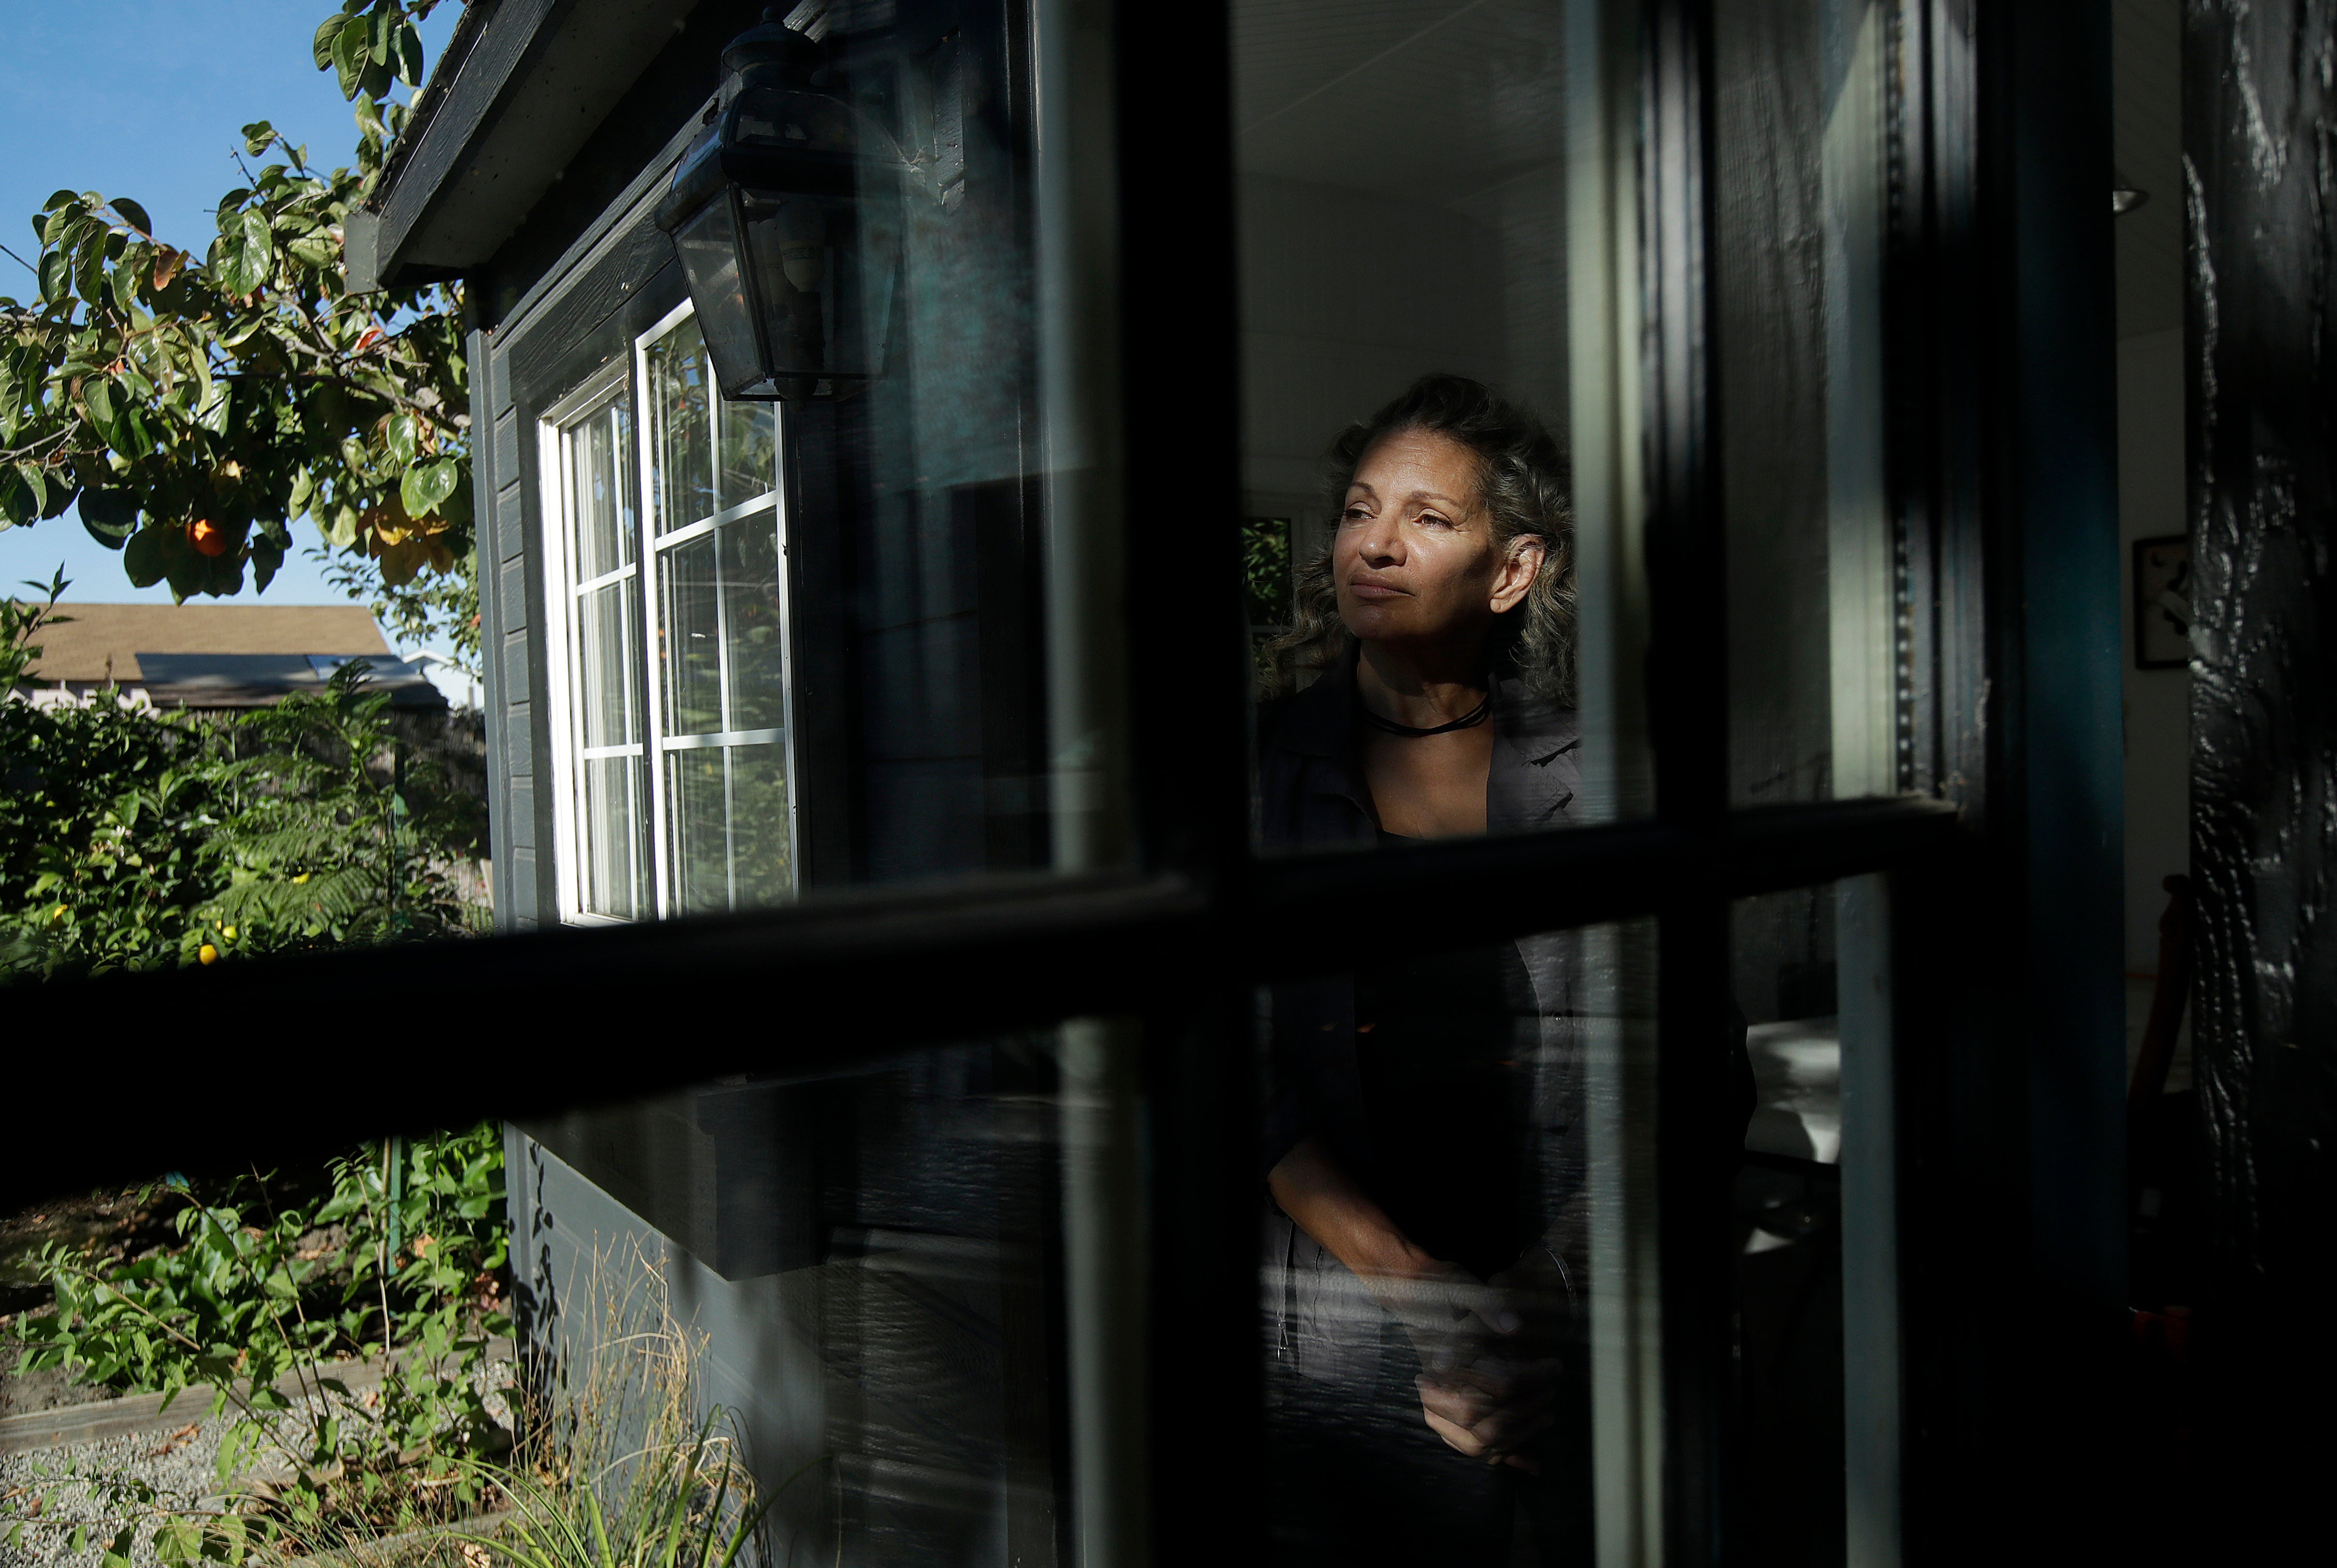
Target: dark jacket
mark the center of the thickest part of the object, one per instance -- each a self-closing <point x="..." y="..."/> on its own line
<point x="1311" y="795"/>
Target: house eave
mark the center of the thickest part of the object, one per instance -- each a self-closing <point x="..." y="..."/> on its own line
<point x="521" y="86"/>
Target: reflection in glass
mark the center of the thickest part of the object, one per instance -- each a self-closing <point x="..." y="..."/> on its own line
<point x="754" y="624"/>
<point x="681" y="432"/>
<point x="749" y="452"/>
<point x="1816" y="1354"/>
<point x="698" y="831"/>
<point x="913" y="568"/>
<point x="761" y="835"/>
<point x="871" y="1265"/>
<point x="1813" y="654"/>
<point x="1439" y="1182"/>
<point x="690" y="630"/>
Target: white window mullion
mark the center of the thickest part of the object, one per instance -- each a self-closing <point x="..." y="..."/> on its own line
<point x="651" y="663"/>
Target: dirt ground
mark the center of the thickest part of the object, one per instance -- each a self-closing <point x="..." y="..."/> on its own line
<point x="124" y="1224"/>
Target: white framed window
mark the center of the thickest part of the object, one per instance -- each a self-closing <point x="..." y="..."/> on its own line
<point x="665" y="548"/>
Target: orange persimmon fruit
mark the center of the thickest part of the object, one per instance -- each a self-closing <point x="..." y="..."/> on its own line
<point x="208" y="537"/>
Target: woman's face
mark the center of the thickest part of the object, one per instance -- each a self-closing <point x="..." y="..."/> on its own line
<point x="1416" y="559"/>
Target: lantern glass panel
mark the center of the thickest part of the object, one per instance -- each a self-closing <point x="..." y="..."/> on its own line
<point x="707" y="243"/>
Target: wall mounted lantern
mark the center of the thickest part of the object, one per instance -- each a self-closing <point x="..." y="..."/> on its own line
<point x="787" y="217"/>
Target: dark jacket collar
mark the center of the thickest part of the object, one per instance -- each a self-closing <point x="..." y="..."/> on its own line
<point x="1537" y="766"/>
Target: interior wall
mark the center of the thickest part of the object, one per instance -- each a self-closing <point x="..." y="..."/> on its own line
<point x="1347" y="295"/>
<point x="1402" y="202"/>
<point x="2157" y="702"/>
<point x="2147" y="104"/>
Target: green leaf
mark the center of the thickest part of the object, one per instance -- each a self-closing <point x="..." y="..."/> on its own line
<point x="267" y="559"/>
<point x="426" y="486"/>
<point x="318" y="252"/>
<point x="97" y="397"/>
<point x="109" y="515"/>
<point x="61" y="220"/>
<point x="257" y="136"/>
<point x="321" y="46"/>
<point x="349" y="53"/>
<point x="56" y="271"/>
<point x="143" y="556"/>
<point x="89" y="267"/>
<point x="409" y="54"/>
<point x="134" y="215"/>
<point x="36" y="487"/>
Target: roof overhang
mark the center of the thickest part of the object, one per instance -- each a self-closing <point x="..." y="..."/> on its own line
<point x="521" y="86"/>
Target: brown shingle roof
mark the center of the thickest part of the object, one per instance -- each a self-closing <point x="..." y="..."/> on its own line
<point x="80" y="649"/>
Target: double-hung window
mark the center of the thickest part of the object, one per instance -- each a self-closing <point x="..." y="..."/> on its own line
<point x="670" y="668"/>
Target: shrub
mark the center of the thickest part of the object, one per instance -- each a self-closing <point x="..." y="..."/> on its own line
<point x="136" y="840"/>
<point x="404" y="1251"/>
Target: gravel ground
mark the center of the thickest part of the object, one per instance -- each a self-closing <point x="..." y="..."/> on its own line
<point x="53" y="1490"/>
<point x="98" y="1484"/>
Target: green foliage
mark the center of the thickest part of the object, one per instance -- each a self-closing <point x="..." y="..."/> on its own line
<point x="249" y="388"/>
<point x="107" y="821"/>
<point x="329" y="834"/>
<point x="401" y="1251"/>
<point x="624" y="1464"/>
<point x="687" y="1500"/>
<point x="1265" y="570"/>
<point x="19" y="624"/>
<point x="135" y="840"/>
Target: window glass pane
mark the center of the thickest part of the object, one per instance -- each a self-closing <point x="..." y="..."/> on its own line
<point x="681" y="429"/>
<point x="761" y="826"/>
<point x="690" y="632"/>
<point x="1818" y="1355"/>
<point x="607" y="663"/>
<point x="865" y="1270"/>
<point x="601" y="459"/>
<point x="1456" y="1250"/>
<point x="697" y="838"/>
<point x="749" y="452"/>
<point x="1812" y="637"/>
<point x="754" y="622"/>
<point x="614" y="843"/>
<point x="900" y="577"/>
<point x="1430" y="520"/>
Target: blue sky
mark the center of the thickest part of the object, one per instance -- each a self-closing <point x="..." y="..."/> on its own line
<point x="147" y="99"/>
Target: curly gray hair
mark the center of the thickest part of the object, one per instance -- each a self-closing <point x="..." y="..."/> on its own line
<point x="1526" y="486"/>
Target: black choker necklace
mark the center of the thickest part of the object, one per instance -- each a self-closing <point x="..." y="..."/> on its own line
<point x="1469" y="721"/>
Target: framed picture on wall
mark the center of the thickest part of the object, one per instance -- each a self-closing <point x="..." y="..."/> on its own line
<point x="2162" y="603"/>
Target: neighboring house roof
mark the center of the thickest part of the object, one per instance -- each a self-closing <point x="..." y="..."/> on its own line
<point x="221" y="655"/>
<point x="102" y="641"/>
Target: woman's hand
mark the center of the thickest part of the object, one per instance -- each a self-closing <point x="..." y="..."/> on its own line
<point x="1493" y="1405"/>
<point x="1497" y="1388"/>
<point x="1482" y="1388"/>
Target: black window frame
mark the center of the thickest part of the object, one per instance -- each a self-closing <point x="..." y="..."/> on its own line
<point x="1177" y="943"/>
